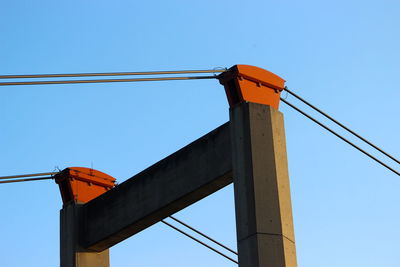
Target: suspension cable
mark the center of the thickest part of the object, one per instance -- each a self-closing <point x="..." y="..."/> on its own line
<point x="204" y="235"/>
<point x="199" y="241"/>
<point x="341" y="125"/>
<point x="109" y="80"/>
<point x="339" y="136"/>
<point x="27" y="175"/>
<point x="26" y="180"/>
<point x="34" y="76"/>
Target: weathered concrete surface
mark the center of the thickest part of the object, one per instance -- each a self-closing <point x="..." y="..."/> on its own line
<point x="262" y="191"/>
<point x="181" y="179"/>
<point x="71" y="255"/>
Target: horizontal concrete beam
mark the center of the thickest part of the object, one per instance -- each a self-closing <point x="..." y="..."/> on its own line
<point x="179" y="180"/>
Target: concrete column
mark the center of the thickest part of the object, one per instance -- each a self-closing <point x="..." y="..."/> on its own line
<point x="262" y="192"/>
<point x="71" y="255"/>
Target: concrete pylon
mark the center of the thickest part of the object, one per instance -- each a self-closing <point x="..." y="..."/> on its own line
<point x="264" y="220"/>
<point x="71" y="255"/>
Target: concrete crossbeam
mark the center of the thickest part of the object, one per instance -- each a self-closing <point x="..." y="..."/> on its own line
<point x="179" y="180"/>
<point x="250" y="151"/>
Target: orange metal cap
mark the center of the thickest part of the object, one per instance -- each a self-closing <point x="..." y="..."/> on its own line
<point x="252" y="84"/>
<point x="81" y="184"/>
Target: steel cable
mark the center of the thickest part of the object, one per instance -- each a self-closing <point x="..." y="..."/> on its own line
<point x="108" y="80"/>
<point x="341" y="125"/>
<point x="199" y="241"/>
<point x="26" y="180"/>
<point x="204" y="235"/>
<point x="339" y="136"/>
<point x="34" y="76"/>
<point x="27" y="175"/>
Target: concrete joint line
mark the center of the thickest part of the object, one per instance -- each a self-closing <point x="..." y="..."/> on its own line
<point x="239" y="240"/>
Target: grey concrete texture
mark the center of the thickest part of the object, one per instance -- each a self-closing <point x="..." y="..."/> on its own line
<point x="267" y="250"/>
<point x="71" y="254"/>
<point x="262" y="189"/>
<point x="93" y="259"/>
<point x="186" y="176"/>
<point x="250" y="150"/>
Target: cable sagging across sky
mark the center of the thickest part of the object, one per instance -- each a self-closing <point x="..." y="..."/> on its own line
<point x="339" y="136"/>
<point x="141" y="73"/>
<point x="199" y="241"/>
<point x="341" y="125"/>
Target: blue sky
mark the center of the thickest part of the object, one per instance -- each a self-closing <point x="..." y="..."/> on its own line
<point x="343" y="56"/>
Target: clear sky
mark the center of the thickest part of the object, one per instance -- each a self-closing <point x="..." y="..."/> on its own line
<point x="343" y="56"/>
